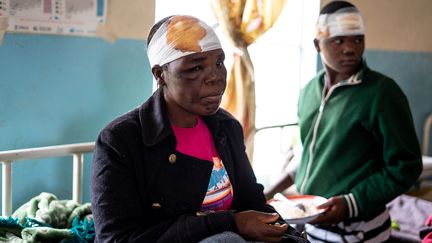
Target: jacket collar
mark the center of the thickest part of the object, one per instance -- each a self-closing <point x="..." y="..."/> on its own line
<point x="154" y="120"/>
<point x="363" y="71"/>
<point x="355" y="78"/>
<point x="155" y="123"/>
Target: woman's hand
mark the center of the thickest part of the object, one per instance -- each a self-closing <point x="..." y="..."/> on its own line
<point x="335" y="211"/>
<point x="259" y="226"/>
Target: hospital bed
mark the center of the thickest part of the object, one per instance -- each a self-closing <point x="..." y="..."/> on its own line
<point x="45" y="218"/>
<point x="77" y="152"/>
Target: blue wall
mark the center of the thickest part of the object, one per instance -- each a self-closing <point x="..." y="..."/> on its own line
<point x="60" y="90"/>
<point x="411" y="70"/>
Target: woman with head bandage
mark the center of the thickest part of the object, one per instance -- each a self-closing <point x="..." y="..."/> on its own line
<point x="175" y="168"/>
<point x="360" y="148"/>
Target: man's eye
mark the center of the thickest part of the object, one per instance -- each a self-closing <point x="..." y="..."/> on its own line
<point x="338" y="41"/>
<point x="359" y="40"/>
<point x="220" y="64"/>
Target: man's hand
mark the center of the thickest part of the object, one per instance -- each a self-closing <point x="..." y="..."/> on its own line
<point x="334" y="213"/>
<point x="254" y="225"/>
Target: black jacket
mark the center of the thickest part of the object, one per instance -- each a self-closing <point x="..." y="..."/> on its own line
<point x="143" y="190"/>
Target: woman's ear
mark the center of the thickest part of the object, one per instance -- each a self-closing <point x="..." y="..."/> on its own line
<point x="158" y="74"/>
<point x="316" y="44"/>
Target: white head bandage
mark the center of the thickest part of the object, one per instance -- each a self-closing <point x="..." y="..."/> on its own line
<point x="179" y="36"/>
<point x="344" y="22"/>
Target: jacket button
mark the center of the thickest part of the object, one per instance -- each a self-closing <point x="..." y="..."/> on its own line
<point x="172" y="158"/>
<point x="156" y="206"/>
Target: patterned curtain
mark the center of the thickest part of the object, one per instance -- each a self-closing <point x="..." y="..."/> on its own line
<point x="244" y="21"/>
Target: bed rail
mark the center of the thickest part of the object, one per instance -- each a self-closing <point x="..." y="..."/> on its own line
<point x="426" y="135"/>
<point x="77" y="150"/>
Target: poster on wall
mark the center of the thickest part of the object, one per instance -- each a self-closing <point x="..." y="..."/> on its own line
<point x="64" y="17"/>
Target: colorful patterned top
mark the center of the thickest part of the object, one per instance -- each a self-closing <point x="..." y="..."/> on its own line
<point x="198" y="142"/>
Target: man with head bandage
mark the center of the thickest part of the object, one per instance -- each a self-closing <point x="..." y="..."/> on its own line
<point x="175" y="168"/>
<point x="360" y="148"/>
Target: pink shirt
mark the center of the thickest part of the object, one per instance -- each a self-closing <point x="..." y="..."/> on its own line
<point x="198" y="142"/>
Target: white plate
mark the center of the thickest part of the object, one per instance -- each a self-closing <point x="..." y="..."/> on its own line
<point x="288" y="213"/>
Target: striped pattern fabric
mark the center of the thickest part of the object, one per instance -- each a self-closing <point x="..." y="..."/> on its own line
<point x="374" y="229"/>
<point x="352" y="205"/>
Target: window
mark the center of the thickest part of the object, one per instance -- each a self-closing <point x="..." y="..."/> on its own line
<point x="284" y="59"/>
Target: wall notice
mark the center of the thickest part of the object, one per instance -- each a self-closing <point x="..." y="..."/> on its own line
<point x="67" y="17"/>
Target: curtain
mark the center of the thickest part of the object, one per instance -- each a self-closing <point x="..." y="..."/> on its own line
<point x="244" y="21"/>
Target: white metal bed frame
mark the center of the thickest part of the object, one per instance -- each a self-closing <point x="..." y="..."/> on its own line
<point x="426" y="135"/>
<point x="427" y="158"/>
<point x="8" y="157"/>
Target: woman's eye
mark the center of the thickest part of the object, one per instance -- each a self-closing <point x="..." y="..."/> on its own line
<point x="196" y="69"/>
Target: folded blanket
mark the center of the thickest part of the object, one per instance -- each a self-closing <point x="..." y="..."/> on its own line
<point x="41" y="234"/>
<point x="45" y="218"/>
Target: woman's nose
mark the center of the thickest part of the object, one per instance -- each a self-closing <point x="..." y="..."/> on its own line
<point x="213" y="76"/>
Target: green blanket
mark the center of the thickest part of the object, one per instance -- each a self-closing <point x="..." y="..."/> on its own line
<point x="46" y="219"/>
